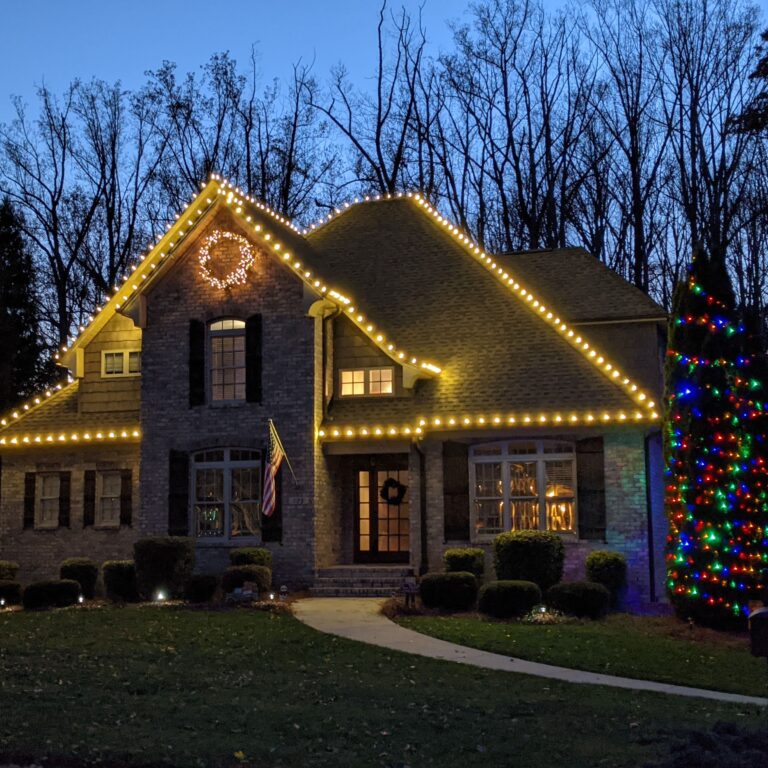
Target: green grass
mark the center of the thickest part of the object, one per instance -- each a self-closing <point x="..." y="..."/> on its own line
<point x="662" y="649"/>
<point x="158" y="685"/>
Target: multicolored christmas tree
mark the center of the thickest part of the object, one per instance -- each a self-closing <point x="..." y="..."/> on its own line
<point x="716" y="451"/>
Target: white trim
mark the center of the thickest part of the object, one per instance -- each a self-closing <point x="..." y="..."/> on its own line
<point x="41" y="524"/>
<point x="126" y="360"/>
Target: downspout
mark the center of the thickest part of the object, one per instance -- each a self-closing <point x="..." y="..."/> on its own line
<point x="649" y="516"/>
<point x="424" y="566"/>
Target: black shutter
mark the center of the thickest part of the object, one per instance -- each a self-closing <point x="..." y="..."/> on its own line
<point x="455" y="491"/>
<point x="178" y="493"/>
<point x="89" y="497"/>
<point x="253" y="359"/>
<point x="29" y="500"/>
<point x="65" y="482"/>
<point x="126" y="497"/>
<point x="590" y="488"/>
<point x="196" y="363"/>
<point x="272" y="527"/>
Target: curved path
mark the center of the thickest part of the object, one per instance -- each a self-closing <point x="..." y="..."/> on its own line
<point x="361" y="619"/>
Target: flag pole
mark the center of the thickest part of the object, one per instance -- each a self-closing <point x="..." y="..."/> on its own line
<point x="276" y="435"/>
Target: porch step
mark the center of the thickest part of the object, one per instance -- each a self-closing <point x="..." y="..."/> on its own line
<point x="360" y="581"/>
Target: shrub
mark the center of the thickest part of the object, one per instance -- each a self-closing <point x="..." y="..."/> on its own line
<point x="236" y="575"/>
<point x="51" y="594"/>
<point x="120" y="580"/>
<point x="201" y="587"/>
<point x="580" y="598"/>
<point x="503" y="599"/>
<point x="10" y="591"/>
<point x="470" y="559"/>
<point x="163" y="563"/>
<point x="456" y="591"/>
<point x="250" y="556"/>
<point x="610" y="570"/>
<point x="8" y="570"/>
<point x="535" y="556"/>
<point x="82" y="570"/>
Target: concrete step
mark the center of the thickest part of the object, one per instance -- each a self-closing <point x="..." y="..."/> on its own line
<point x="366" y="582"/>
<point x="362" y="571"/>
<point x="352" y="591"/>
<point x="360" y="580"/>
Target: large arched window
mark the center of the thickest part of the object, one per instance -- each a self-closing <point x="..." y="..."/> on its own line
<point x="226" y="493"/>
<point x="523" y="484"/>
<point x="228" y="369"/>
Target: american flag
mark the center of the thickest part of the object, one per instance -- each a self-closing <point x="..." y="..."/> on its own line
<point x="276" y="456"/>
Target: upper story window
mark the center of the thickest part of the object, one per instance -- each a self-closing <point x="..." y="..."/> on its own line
<point x="524" y="484"/>
<point x="48" y="505"/>
<point x="227" y="345"/>
<point x="120" y="362"/>
<point x="357" y="382"/>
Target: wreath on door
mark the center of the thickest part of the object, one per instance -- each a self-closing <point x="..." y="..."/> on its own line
<point x="393" y="491"/>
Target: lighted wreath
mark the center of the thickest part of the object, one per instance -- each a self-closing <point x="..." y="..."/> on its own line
<point x="392" y="491"/>
<point x="238" y="275"/>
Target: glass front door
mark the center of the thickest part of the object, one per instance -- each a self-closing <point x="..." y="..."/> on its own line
<point x="382" y="531"/>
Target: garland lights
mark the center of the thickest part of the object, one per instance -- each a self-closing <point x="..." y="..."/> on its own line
<point x="239" y="274"/>
<point x="717" y="477"/>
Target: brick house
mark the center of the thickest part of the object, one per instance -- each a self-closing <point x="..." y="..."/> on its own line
<point x="428" y="395"/>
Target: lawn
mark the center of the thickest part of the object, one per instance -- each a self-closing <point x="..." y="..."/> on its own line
<point x="662" y="649"/>
<point x="173" y="686"/>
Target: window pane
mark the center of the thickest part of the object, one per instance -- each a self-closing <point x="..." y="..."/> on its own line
<point x="524" y="514"/>
<point x="245" y="518"/>
<point x="488" y="480"/>
<point x="134" y="362"/>
<point x="489" y="516"/>
<point x="522" y="479"/>
<point x="557" y="447"/>
<point x="353" y="382"/>
<point x="228" y="360"/>
<point x="50" y="487"/>
<point x="491" y="450"/>
<point x="560" y="495"/>
<point x="113" y="363"/>
<point x="523" y="448"/>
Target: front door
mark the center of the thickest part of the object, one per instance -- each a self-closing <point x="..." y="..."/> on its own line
<point x="382" y="519"/>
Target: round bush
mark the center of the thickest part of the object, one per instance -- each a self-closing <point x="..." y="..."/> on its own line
<point x="10" y="591"/>
<point x="235" y="576"/>
<point x="609" y="569"/>
<point x="51" y="594"/>
<point x="120" y="580"/>
<point x="451" y="591"/>
<point x="470" y="559"/>
<point x="579" y="598"/>
<point x="82" y="570"/>
<point x="163" y="564"/>
<point x="201" y="587"/>
<point x="535" y="556"/>
<point x="250" y="556"/>
<point x="8" y="570"/>
<point x="503" y="599"/>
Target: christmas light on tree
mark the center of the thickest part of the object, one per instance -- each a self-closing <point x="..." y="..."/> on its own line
<point x="717" y="477"/>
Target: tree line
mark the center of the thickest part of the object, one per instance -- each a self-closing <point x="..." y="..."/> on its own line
<point x="618" y="125"/>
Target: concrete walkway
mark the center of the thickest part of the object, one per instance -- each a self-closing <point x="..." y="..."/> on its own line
<point x="361" y="619"/>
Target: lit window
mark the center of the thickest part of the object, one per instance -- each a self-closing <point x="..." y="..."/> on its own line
<point x="523" y="485"/>
<point x="227" y="360"/>
<point x="367" y="381"/>
<point x="109" y="500"/>
<point x="226" y="488"/>
<point x="48" y="507"/>
<point x="121" y="363"/>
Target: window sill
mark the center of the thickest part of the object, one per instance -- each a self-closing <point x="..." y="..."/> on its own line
<point x="46" y="526"/>
<point x="209" y="541"/>
<point x="106" y="526"/>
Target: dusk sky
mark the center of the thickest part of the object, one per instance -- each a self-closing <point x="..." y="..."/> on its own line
<point x="54" y="42"/>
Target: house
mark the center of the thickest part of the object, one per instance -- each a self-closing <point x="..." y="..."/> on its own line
<point x="427" y="395"/>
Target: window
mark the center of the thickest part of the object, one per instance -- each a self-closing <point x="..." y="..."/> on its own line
<point x="108" y="509"/>
<point x="119" y="362"/>
<point x="367" y="381"/>
<point x="48" y="506"/>
<point x="227" y="339"/>
<point x="226" y="494"/>
<point x="523" y="485"/>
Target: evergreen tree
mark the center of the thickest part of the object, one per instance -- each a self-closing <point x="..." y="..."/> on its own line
<point x="21" y="369"/>
<point x="717" y="475"/>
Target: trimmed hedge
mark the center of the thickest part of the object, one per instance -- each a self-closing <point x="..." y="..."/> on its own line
<point x="8" y="570"/>
<point x="163" y="563"/>
<point x="250" y="556"/>
<point x="471" y="559"/>
<point x="456" y="591"/>
<point x="82" y="570"/>
<point x="609" y="569"/>
<point x="10" y="591"/>
<point x="236" y="575"/>
<point x="56" y="593"/>
<point x="201" y="587"/>
<point x="120" y="581"/>
<point x="535" y="556"/>
<point x="580" y="598"/>
<point x="504" y="599"/>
